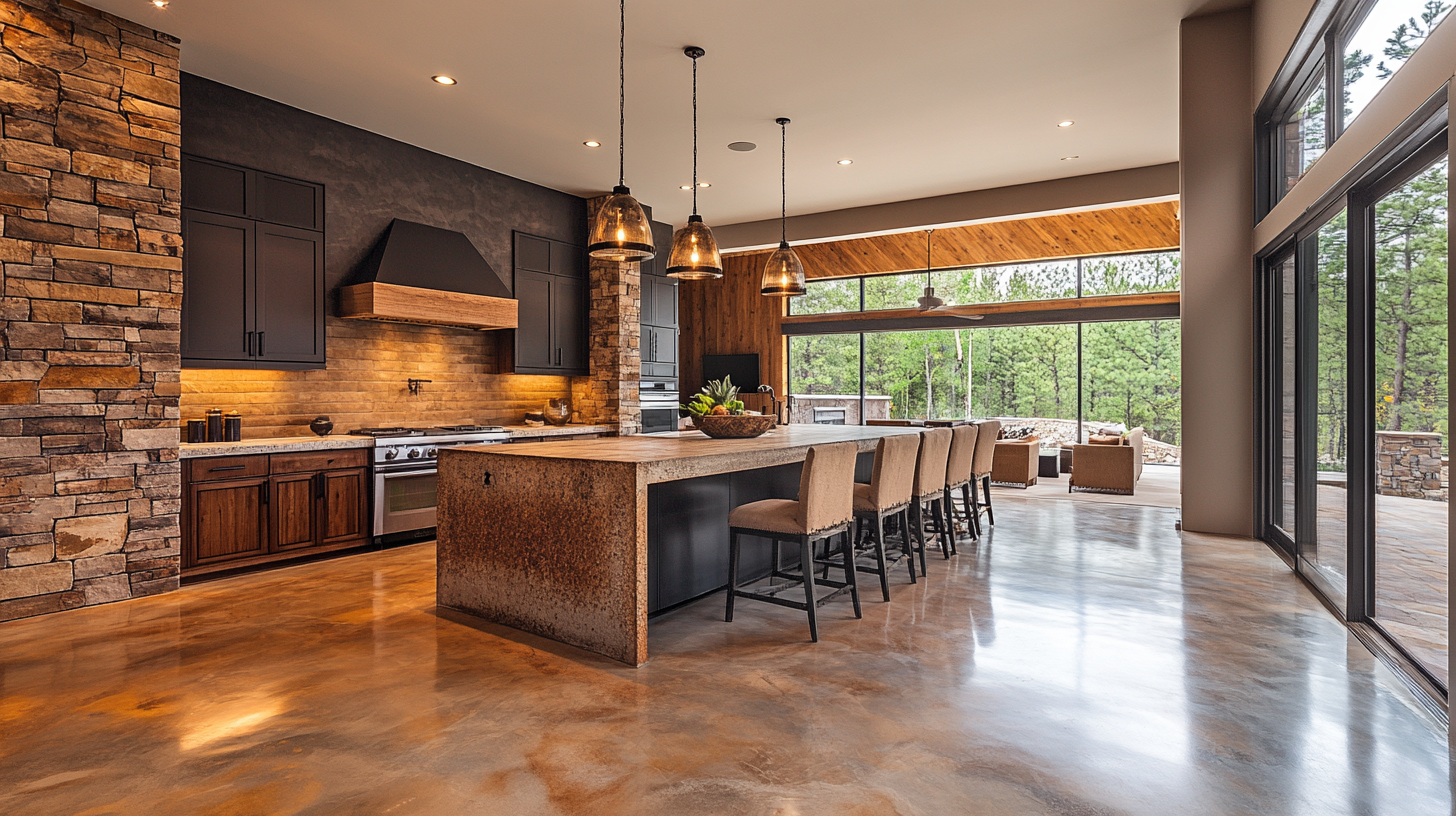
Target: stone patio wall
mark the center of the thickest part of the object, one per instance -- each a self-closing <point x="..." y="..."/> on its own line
<point x="1410" y="464"/>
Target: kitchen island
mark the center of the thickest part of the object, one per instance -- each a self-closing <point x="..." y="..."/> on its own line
<point x="579" y="541"/>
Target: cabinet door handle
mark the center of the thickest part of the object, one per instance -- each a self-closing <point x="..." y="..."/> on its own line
<point x="260" y="343"/>
<point x="318" y="486"/>
<point x="229" y="467"/>
<point x="558" y="356"/>
<point x="264" y="486"/>
<point x="249" y="336"/>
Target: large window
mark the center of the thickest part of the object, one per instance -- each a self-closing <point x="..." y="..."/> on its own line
<point x="1375" y="49"/>
<point x="1129" y="376"/>
<point x="1356" y="48"/>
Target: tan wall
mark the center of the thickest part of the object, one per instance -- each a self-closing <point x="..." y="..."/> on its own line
<point x="1216" y="157"/>
<point x="1276" y="24"/>
<point x="365" y="383"/>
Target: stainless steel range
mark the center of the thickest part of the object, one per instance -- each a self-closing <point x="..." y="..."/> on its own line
<point x="405" y="473"/>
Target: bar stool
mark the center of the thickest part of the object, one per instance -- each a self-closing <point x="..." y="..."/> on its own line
<point x="823" y="511"/>
<point x="929" y="489"/>
<point x="887" y="495"/>
<point x="958" y="475"/>
<point x="986" y="433"/>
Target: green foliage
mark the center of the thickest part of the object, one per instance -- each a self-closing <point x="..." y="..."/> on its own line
<point x="717" y="392"/>
<point x="1131" y="369"/>
<point x="1408" y="36"/>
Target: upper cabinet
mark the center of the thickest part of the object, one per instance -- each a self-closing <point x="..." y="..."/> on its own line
<point x="662" y="239"/>
<point x="550" y="285"/>
<point x="253" y="268"/>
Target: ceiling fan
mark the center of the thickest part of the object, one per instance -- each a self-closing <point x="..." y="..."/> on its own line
<point x="928" y="301"/>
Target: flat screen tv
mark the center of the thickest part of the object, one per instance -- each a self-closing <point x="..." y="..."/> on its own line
<point x="743" y="368"/>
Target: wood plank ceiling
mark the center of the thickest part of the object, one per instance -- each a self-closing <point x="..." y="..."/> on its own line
<point x="1136" y="228"/>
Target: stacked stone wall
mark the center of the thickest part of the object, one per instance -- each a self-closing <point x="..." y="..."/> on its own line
<point x="609" y="395"/>
<point x="1410" y="465"/>
<point x="90" y="270"/>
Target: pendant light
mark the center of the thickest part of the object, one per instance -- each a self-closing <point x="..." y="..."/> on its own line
<point x="929" y="301"/>
<point x="694" y="253"/>
<point x="621" y="232"/>
<point x="783" y="275"/>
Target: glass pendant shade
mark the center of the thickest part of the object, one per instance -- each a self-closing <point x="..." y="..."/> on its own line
<point x="694" y="253"/>
<point x="621" y="232"/>
<point x="783" y="275"/>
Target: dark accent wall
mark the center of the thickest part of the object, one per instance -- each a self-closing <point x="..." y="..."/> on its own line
<point x="370" y="180"/>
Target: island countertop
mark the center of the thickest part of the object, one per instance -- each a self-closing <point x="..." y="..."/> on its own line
<point x="665" y="457"/>
<point x="553" y="538"/>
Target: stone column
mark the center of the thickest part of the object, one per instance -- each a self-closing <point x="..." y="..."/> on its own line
<point x="609" y="393"/>
<point x="90" y="201"/>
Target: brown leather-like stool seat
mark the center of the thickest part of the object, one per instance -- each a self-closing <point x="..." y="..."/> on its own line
<point x="823" y="512"/>
<point x="929" y="491"/>
<point x="958" y="475"/>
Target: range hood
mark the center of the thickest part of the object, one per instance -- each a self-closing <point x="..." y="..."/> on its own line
<point x="423" y="274"/>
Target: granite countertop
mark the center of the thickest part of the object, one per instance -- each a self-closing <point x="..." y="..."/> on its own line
<point x="677" y="455"/>
<point x="529" y="431"/>
<point x="279" y="444"/>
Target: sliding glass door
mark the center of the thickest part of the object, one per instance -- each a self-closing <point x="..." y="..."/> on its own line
<point x="1411" y="415"/>
<point x="1356" y="405"/>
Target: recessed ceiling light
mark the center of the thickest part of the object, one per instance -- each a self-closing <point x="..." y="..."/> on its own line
<point x="1067" y="123"/>
<point x="846" y="161"/>
<point x="443" y="80"/>
<point x="592" y="143"/>
<point x="161" y="4"/>
<point x="742" y="147"/>
<point x="686" y="187"/>
<point x="704" y="184"/>
<point x="1070" y="158"/>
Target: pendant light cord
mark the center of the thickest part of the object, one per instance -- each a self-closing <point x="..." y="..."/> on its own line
<point x="622" y="96"/>
<point x="695" y="135"/>
<point x="928" y="233"/>
<point x="783" y="181"/>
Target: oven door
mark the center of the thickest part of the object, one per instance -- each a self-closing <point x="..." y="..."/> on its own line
<point x="404" y="500"/>
<point x="657" y="420"/>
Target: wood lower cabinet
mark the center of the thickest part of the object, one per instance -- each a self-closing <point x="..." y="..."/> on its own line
<point x="243" y="511"/>
<point x="228" y="520"/>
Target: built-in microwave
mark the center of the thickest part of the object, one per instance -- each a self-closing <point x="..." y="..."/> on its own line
<point x="659" y="405"/>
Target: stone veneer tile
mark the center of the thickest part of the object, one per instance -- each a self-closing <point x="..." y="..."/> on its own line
<point x="90" y="194"/>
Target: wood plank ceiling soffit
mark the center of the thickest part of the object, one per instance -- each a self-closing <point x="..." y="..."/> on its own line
<point x="1117" y="230"/>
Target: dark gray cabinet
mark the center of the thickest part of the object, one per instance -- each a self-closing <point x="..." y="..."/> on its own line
<point x="659" y="327"/>
<point x="551" y="301"/>
<point x="253" y="270"/>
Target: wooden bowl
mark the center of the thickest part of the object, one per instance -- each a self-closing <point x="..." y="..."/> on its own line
<point x="741" y="426"/>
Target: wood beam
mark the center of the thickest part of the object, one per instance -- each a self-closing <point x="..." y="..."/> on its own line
<point x="1094" y="309"/>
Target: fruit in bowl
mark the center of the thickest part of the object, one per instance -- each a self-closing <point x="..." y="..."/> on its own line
<point x="717" y="412"/>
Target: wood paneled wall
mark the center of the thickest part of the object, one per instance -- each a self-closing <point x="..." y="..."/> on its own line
<point x="365" y="383"/>
<point x="729" y="316"/>
<point x="1137" y="228"/>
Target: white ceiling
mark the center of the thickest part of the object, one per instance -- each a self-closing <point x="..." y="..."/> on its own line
<point x="926" y="96"/>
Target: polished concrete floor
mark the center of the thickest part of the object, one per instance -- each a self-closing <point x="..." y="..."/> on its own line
<point x="1083" y="659"/>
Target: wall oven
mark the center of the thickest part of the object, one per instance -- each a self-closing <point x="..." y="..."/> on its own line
<point x="659" y="399"/>
<point x="405" y="475"/>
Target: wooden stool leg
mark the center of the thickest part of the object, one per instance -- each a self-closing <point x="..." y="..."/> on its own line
<point x="806" y="556"/>
<point x="879" y="533"/>
<point x="990" y="514"/>
<point x="920" y="535"/>
<point x="849" y="574"/>
<point x="902" y="520"/>
<point x="732" y="572"/>
<point x="973" y="519"/>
